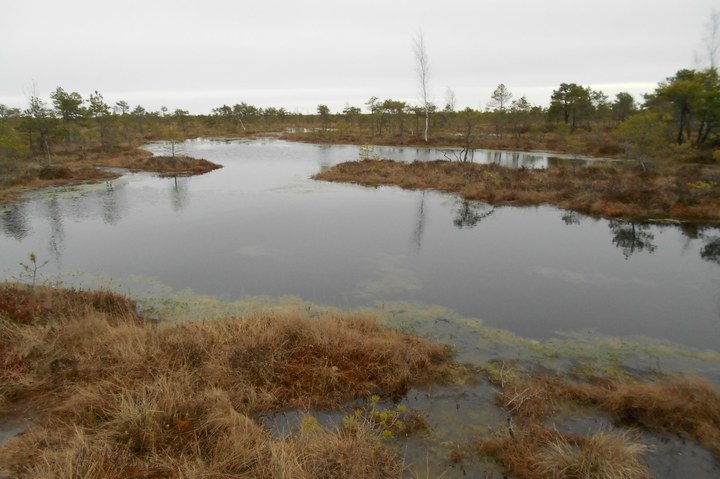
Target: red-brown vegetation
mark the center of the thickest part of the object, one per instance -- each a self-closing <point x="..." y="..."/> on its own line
<point x="118" y="397"/>
<point x="686" y="406"/>
<point x="169" y="166"/>
<point x="611" y="190"/>
<point x="85" y="166"/>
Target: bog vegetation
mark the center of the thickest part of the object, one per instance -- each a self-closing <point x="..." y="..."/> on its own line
<point x="677" y="123"/>
<point x="116" y="396"/>
<point x="612" y="190"/>
<point x="686" y="406"/>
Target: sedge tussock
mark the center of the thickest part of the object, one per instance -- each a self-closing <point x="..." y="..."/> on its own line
<point x="536" y="452"/>
<point x="603" y="455"/>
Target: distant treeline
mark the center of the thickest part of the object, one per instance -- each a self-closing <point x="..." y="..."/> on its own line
<point x="679" y="120"/>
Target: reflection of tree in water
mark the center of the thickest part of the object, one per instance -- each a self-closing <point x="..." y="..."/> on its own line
<point x="691" y="230"/>
<point x="571" y="218"/>
<point x="632" y="237"/>
<point x="179" y="194"/>
<point x="470" y="213"/>
<point x="324" y="157"/>
<point x="417" y="235"/>
<point x="14" y="222"/>
<point x="711" y="250"/>
<point x="57" y="229"/>
<point x="110" y="209"/>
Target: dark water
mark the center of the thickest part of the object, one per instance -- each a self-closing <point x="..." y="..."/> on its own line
<point x="261" y="226"/>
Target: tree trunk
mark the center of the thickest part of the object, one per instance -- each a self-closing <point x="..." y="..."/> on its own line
<point x="427" y="124"/>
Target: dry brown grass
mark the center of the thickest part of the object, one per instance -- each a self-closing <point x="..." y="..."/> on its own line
<point x="689" y="406"/>
<point x="680" y="405"/>
<point x="603" y="455"/>
<point x="535" y="452"/>
<point x="686" y="193"/>
<point x="119" y="397"/>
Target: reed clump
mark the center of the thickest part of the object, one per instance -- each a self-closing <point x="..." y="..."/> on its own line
<point x="611" y="190"/>
<point x="117" y="396"/>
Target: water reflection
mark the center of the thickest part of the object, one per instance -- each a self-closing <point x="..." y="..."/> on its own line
<point x="632" y="237"/>
<point x="417" y="235"/>
<point x="710" y="236"/>
<point x="110" y="208"/>
<point x="512" y="159"/>
<point x="711" y="250"/>
<point x="260" y="226"/>
<point x="325" y="157"/>
<point x="179" y="196"/>
<point x="13" y="221"/>
<point x="571" y="218"/>
<point x="509" y="159"/>
<point x="469" y="213"/>
<point x="56" y="240"/>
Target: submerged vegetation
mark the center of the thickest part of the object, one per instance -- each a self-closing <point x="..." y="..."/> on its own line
<point x="611" y="190"/>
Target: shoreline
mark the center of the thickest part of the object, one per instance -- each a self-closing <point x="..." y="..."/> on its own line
<point x="73" y="169"/>
<point x="670" y="194"/>
<point x="699" y="204"/>
<point x="109" y="389"/>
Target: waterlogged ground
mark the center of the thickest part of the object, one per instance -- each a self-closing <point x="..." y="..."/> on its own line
<point x="459" y="413"/>
<point x="535" y="288"/>
<point x="462" y="411"/>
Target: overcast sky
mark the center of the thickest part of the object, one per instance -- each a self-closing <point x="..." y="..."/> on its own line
<point x="197" y="55"/>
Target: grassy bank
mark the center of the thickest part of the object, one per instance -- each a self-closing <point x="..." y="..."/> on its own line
<point x="118" y="397"/>
<point x="611" y="190"/>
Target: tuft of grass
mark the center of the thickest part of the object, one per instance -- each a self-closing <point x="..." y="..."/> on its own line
<point x="536" y="452"/>
<point x="604" y="455"/>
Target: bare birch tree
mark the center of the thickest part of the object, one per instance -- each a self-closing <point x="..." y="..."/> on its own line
<point x="450" y="99"/>
<point x="423" y="72"/>
<point x="712" y="38"/>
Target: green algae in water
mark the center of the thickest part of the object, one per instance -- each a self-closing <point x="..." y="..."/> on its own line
<point x="474" y="343"/>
